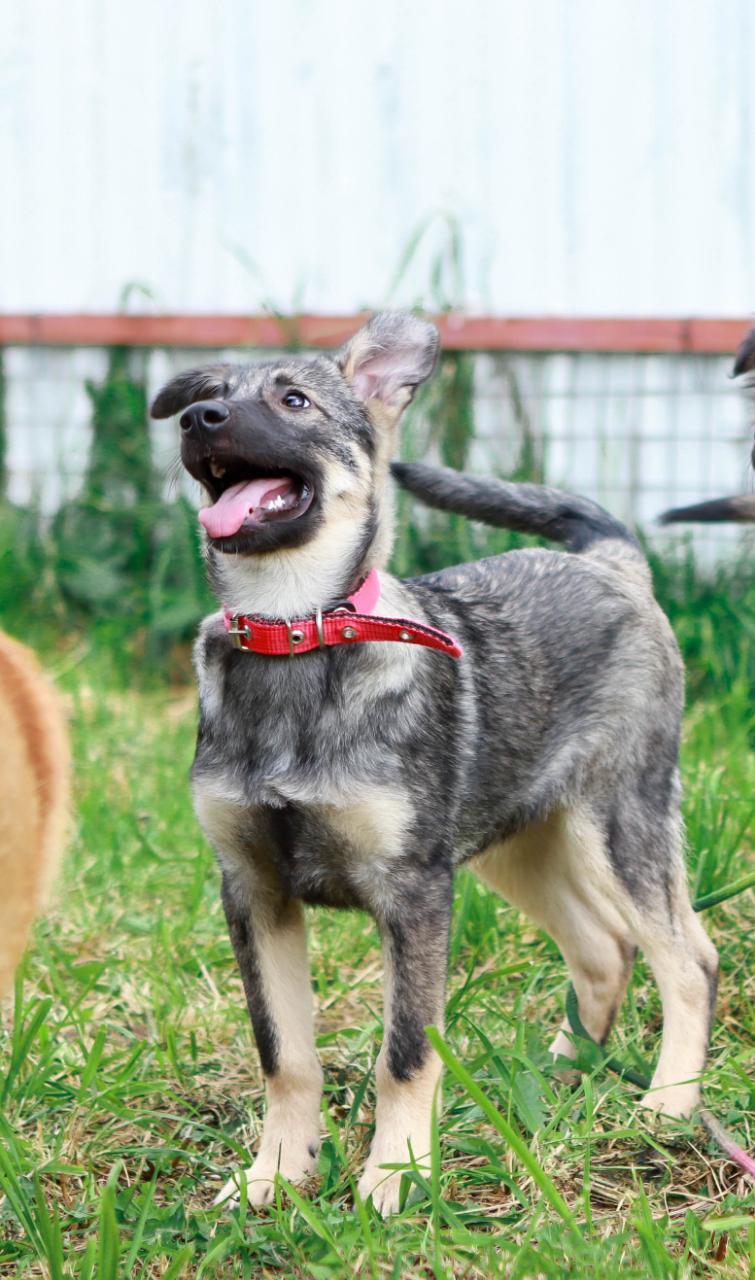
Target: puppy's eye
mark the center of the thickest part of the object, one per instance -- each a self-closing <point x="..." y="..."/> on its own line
<point x="294" y="399"/>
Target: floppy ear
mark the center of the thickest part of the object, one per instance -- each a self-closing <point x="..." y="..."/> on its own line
<point x="388" y="358"/>
<point x="744" y="360"/>
<point x="193" y="384"/>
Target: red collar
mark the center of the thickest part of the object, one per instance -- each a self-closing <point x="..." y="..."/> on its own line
<point x="350" y="621"/>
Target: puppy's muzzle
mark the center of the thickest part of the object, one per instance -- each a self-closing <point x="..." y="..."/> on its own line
<point x="258" y="472"/>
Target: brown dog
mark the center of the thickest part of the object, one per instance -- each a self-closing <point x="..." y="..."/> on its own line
<point x="34" y="796"/>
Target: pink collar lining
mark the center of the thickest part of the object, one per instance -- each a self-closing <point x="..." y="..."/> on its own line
<point x="365" y="598"/>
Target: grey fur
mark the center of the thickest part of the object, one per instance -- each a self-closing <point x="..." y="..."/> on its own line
<point x="565" y="708"/>
<point x="528" y="508"/>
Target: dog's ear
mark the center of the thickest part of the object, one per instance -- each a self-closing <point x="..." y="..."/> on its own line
<point x="388" y="358"/>
<point x="194" y="384"/>
<point x="744" y="361"/>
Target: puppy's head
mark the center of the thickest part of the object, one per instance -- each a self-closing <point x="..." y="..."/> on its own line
<point x="282" y="447"/>
<point x="744" y="362"/>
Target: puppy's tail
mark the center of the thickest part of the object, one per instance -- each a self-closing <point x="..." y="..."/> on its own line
<point x="575" y="522"/>
<point x="740" y="509"/>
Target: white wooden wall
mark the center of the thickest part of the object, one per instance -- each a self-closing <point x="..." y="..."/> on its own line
<point x="597" y="154"/>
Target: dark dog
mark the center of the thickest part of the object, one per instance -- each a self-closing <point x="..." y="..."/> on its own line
<point x="360" y="775"/>
<point x="744" y="362"/>
<point x="737" y="510"/>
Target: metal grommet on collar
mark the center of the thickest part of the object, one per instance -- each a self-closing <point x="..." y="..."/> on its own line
<point x="295" y="636"/>
<point x="349" y="633"/>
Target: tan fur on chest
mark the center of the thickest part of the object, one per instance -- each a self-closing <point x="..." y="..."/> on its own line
<point x="373" y="825"/>
<point x="363" y="836"/>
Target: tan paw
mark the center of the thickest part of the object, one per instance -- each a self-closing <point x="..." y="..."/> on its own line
<point x="677" y="1101"/>
<point x="295" y="1167"/>
<point x="383" y="1186"/>
<point x="563" y="1047"/>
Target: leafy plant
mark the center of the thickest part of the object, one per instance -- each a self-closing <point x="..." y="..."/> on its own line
<point x="117" y="558"/>
<point x="104" y="538"/>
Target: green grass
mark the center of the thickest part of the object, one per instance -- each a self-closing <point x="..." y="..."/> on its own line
<point x="131" y="1086"/>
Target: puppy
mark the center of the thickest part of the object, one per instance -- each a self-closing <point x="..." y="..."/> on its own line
<point x="34" y="796"/>
<point x="360" y="737"/>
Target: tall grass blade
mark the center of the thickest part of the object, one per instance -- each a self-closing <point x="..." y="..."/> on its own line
<point x="723" y="895"/>
<point x="507" y="1132"/>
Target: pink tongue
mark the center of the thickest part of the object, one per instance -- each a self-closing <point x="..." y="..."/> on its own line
<point x="226" y="516"/>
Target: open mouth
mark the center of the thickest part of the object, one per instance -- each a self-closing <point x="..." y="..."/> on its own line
<point x="248" y="497"/>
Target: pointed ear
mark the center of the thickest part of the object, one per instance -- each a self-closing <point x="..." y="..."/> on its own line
<point x="388" y="358"/>
<point x="744" y="361"/>
<point x="194" y="384"/>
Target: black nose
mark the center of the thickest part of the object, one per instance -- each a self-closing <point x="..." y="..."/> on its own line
<point x="205" y="413"/>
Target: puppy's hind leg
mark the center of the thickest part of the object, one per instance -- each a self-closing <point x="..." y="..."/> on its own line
<point x="683" y="960"/>
<point x="557" y="872"/>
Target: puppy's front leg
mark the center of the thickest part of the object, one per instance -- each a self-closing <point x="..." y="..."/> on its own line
<point x="415" y="950"/>
<point x="271" y="950"/>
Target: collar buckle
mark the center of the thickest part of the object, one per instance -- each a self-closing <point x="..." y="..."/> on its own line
<point x="238" y="634"/>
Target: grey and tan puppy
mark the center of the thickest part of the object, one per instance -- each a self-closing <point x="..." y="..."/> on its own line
<point x="362" y="776"/>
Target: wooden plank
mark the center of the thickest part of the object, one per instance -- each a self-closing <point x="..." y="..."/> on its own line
<point x="708" y="335"/>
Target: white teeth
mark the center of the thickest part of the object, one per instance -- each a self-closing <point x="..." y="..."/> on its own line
<point x="217" y="470"/>
<point x="275" y="504"/>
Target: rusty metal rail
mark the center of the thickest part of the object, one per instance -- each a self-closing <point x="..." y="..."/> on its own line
<point x="700" y="335"/>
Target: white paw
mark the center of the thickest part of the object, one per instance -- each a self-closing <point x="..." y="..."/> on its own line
<point x="674" y="1100"/>
<point x="260" y="1178"/>
<point x="563" y="1047"/>
<point x="384" y="1186"/>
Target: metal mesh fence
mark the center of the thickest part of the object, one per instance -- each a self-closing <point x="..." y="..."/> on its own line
<point x="638" y="433"/>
